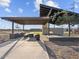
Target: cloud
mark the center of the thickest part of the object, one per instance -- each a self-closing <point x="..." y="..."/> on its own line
<point x="5" y="3"/>
<point x="34" y="10"/>
<point x="52" y="3"/>
<point x="76" y="0"/>
<point x="49" y="3"/>
<point x="37" y="4"/>
<point x="27" y="3"/>
<point x="76" y="6"/>
<point x="8" y="10"/>
<point x="20" y="10"/>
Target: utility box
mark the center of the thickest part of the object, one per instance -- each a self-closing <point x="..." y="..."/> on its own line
<point x="58" y="31"/>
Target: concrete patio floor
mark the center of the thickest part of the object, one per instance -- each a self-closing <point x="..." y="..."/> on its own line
<point x="23" y="49"/>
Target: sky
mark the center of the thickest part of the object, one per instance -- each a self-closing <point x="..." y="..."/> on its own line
<point x="30" y="8"/>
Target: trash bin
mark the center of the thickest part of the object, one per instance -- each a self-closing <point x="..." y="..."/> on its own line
<point x="37" y="37"/>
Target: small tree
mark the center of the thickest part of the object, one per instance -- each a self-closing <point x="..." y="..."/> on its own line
<point x="64" y="17"/>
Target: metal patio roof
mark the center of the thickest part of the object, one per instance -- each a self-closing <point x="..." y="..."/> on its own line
<point x="44" y="11"/>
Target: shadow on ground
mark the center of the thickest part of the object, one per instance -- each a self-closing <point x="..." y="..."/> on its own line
<point x="42" y="45"/>
<point x="51" y="53"/>
<point x="8" y="42"/>
<point x="7" y="52"/>
<point x="65" y="41"/>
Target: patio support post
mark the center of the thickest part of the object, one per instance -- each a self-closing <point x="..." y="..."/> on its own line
<point x="69" y="28"/>
<point x="45" y="29"/>
<point x="12" y="28"/>
<point x="12" y="35"/>
<point x="23" y="27"/>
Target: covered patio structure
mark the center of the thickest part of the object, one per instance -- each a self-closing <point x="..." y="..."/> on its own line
<point x="59" y="16"/>
<point x="30" y="21"/>
<point x="48" y="15"/>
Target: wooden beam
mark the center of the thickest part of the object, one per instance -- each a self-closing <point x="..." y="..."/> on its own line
<point x="45" y="29"/>
<point x="69" y="28"/>
<point x="23" y="28"/>
<point x="12" y="27"/>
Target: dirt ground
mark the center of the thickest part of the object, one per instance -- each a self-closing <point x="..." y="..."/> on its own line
<point x="5" y="35"/>
<point x="63" y="50"/>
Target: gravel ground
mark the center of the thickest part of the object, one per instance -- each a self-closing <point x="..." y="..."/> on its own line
<point x="63" y="50"/>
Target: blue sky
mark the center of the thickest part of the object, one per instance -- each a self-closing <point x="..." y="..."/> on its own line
<point x="30" y="8"/>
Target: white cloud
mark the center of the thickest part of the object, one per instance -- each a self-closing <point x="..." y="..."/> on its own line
<point x="8" y="10"/>
<point x="76" y="0"/>
<point x="34" y="10"/>
<point x="49" y="3"/>
<point x="76" y="6"/>
<point x="37" y="4"/>
<point x="5" y="3"/>
<point x="52" y="3"/>
<point x="27" y="3"/>
<point x="20" y="10"/>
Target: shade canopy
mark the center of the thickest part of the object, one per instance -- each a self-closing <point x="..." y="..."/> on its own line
<point x="58" y="15"/>
<point x="28" y="20"/>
